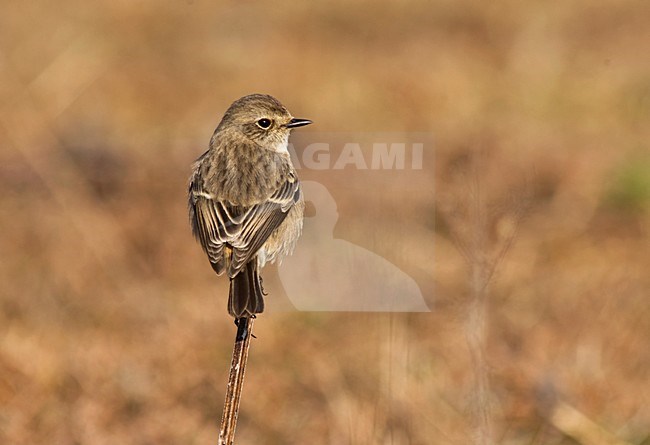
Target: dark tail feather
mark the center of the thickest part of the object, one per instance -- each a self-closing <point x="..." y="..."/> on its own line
<point x="246" y="296"/>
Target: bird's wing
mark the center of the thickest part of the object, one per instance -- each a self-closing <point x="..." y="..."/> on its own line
<point x="244" y="229"/>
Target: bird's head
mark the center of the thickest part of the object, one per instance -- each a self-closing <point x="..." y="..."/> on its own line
<point x="261" y="119"/>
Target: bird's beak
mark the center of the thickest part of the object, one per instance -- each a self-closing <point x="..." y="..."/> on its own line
<point x="296" y="122"/>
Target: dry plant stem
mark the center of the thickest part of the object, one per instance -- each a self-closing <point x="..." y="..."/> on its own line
<point x="577" y="425"/>
<point x="235" y="381"/>
<point x="476" y="321"/>
<point x="476" y="339"/>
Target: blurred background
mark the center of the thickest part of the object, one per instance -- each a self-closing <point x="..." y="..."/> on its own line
<point x="113" y="328"/>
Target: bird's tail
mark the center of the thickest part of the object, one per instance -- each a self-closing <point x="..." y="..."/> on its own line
<point x="246" y="296"/>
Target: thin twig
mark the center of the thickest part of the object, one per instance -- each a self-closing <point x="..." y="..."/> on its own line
<point x="577" y="425"/>
<point x="235" y="381"/>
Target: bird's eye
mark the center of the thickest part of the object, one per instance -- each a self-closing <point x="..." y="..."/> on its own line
<point x="264" y="123"/>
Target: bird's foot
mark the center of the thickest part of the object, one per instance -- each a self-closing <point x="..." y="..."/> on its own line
<point x="242" y="328"/>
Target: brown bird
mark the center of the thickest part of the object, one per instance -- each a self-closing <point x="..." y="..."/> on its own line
<point x="245" y="202"/>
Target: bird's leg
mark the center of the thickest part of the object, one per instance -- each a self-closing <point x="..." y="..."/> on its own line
<point x="242" y="328"/>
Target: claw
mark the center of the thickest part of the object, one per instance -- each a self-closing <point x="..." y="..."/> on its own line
<point x="262" y="287"/>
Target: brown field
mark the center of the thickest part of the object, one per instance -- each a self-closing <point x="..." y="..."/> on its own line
<point x="113" y="328"/>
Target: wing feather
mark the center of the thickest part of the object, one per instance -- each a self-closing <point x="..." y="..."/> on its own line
<point x="245" y="229"/>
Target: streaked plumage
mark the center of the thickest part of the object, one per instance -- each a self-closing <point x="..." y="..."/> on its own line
<point x="245" y="201"/>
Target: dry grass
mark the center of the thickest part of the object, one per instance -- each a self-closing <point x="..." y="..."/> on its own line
<point x="113" y="329"/>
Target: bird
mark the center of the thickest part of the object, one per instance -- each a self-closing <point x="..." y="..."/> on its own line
<point x="245" y="201"/>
